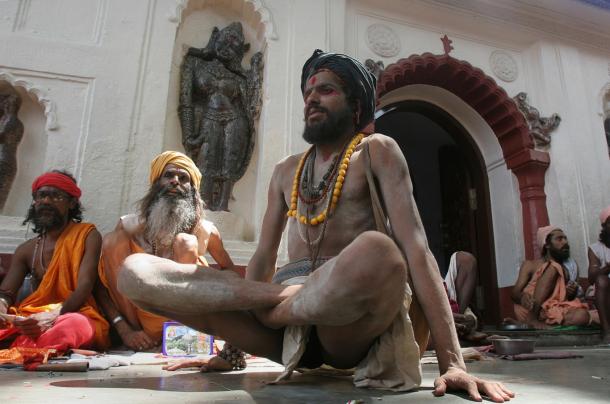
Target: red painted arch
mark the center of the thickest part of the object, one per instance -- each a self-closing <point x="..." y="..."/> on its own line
<point x="500" y="112"/>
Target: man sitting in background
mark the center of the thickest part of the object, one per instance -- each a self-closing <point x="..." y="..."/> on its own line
<point x="60" y="312"/>
<point x="546" y="289"/>
<point x="169" y="224"/>
<point x="460" y="282"/>
<point x="599" y="273"/>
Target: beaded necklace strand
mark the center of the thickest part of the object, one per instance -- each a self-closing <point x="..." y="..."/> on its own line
<point x="330" y="208"/>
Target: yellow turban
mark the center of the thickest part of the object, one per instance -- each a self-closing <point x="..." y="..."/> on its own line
<point x="178" y="159"/>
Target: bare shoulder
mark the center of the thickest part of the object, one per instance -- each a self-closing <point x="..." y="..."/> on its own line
<point x="385" y="153"/>
<point x="287" y="164"/>
<point x="531" y="265"/>
<point x="208" y="227"/>
<point x="25" y="249"/>
<point x="284" y="170"/>
<point x="119" y="235"/>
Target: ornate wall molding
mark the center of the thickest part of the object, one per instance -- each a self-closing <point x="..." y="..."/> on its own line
<point x="540" y="127"/>
<point x="503" y="65"/>
<point x="382" y="40"/>
<point x="265" y="15"/>
<point x="39" y="94"/>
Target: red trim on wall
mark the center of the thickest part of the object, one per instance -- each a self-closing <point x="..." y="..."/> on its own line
<point x="506" y="303"/>
<point x="500" y="112"/>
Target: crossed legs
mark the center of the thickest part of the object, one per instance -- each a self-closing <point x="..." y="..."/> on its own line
<point x="351" y="299"/>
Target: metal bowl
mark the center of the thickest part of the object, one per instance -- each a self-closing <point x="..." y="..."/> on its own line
<point x="513" y="346"/>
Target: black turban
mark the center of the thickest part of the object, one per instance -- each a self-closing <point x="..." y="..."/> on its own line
<point x="355" y="76"/>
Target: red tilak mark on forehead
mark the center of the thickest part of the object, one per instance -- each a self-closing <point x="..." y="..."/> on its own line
<point x="312" y="80"/>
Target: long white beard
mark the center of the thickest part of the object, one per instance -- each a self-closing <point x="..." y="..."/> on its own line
<point x="169" y="216"/>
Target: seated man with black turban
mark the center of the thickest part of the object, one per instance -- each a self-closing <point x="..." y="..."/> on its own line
<point x="345" y="298"/>
<point x="169" y="224"/>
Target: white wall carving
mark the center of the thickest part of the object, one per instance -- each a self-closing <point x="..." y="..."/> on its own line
<point x="265" y="16"/>
<point x="503" y="65"/>
<point x="65" y="20"/>
<point x="38" y="93"/>
<point x="382" y="40"/>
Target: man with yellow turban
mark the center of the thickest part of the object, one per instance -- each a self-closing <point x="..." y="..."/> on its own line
<point x="169" y="224"/>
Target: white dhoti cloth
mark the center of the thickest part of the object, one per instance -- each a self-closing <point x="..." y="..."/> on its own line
<point x="392" y="362"/>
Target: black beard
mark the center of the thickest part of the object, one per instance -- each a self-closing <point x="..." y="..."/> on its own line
<point x="604" y="237"/>
<point x="560" y="255"/>
<point x="47" y="223"/>
<point x="331" y="129"/>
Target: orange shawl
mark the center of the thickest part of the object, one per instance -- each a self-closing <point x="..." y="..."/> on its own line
<point x="61" y="280"/>
<point x="108" y="270"/>
<point x="556" y="306"/>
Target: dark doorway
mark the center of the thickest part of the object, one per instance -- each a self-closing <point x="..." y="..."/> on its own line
<point x="450" y="186"/>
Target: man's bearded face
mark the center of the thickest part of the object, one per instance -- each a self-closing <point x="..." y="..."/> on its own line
<point x="172" y="211"/>
<point x="559" y="249"/>
<point x="330" y="129"/>
<point x="51" y="207"/>
<point x="327" y="113"/>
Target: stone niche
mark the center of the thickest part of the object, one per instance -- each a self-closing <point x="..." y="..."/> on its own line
<point x="30" y="152"/>
<point x="197" y="20"/>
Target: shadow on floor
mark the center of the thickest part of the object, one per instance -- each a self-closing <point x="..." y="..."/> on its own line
<point x="300" y="388"/>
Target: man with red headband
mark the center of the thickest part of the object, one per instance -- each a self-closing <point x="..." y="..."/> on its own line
<point x="169" y="224"/>
<point x="545" y="293"/>
<point x="61" y="265"/>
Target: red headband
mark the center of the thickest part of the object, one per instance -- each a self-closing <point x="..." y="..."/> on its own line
<point x="59" y="181"/>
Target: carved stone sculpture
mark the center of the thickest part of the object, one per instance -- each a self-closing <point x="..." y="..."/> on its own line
<point x="219" y="103"/>
<point x="11" y="132"/>
<point x="540" y="128"/>
<point x="375" y="68"/>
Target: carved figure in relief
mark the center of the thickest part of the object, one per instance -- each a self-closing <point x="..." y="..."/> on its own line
<point x="11" y="133"/>
<point x="219" y="103"/>
<point x="540" y="127"/>
<point x="376" y="68"/>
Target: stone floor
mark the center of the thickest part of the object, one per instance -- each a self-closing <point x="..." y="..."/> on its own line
<point x="583" y="380"/>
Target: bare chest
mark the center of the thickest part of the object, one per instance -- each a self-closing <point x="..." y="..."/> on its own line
<point x="351" y="216"/>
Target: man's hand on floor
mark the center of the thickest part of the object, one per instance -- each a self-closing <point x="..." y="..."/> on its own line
<point x="204" y="365"/>
<point x="457" y="379"/>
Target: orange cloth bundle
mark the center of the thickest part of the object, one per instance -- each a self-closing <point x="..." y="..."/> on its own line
<point x="25" y="356"/>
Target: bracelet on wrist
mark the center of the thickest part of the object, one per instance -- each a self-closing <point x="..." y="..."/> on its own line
<point x="117" y="320"/>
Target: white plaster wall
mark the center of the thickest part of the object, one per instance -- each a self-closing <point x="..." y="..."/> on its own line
<point x="103" y="72"/>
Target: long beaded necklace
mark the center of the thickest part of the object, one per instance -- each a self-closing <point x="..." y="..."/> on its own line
<point x="334" y="199"/>
<point x="309" y="194"/>
<point x="331" y="200"/>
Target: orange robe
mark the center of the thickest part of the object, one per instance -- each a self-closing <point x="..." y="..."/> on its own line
<point x="61" y="280"/>
<point x="110" y="264"/>
<point x="556" y="306"/>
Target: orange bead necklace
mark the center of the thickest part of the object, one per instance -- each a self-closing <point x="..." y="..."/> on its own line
<point x="334" y="199"/>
